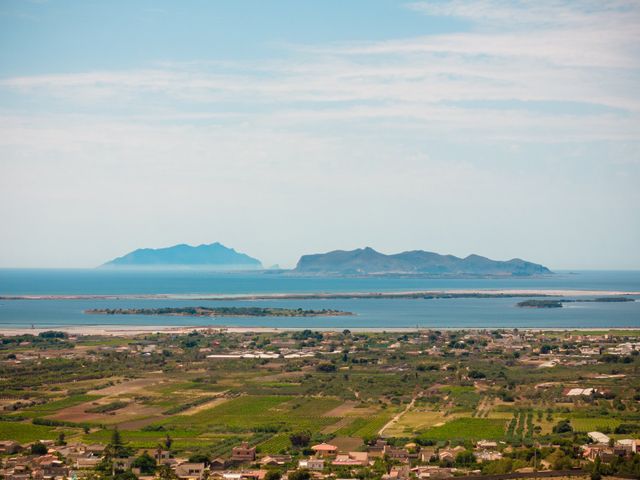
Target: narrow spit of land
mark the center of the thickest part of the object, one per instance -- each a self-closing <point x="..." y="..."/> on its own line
<point x="419" y="294"/>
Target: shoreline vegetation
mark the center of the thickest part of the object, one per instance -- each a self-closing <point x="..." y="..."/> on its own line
<point x="535" y="303"/>
<point x="118" y="330"/>
<point x="219" y="312"/>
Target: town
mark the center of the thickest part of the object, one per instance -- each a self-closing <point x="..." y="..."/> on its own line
<point x="212" y="403"/>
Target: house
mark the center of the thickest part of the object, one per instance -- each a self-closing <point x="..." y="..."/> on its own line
<point x="606" y="453"/>
<point x="598" y="437"/>
<point x="432" y="472"/>
<point x="316" y="464"/>
<point x="48" y="466"/>
<point x="243" y="453"/>
<point x="245" y="475"/>
<point x="630" y="445"/>
<point x="449" y="454"/>
<point x="123" y="463"/>
<point x="586" y="350"/>
<point x="274" y="460"/>
<point x="94" y="448"/>
<point x="161" y="456"/>
<point x="325" y="450"/>
<point x="189" y="470"/>
<point x="400" y="454"/>
<point x="427" y="454"/>
<point x="351" y="459"/>
<point x="9" y="447"/>
<point x="377" y="449"/>
<point x="217" y="464"/>
<point x="486" y="455"/>
<point x="487" y="444"/>
<point x="398" y="473"/>
<point x="86" y="462"/>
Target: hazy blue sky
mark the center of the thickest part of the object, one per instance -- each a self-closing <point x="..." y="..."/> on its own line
<point x="504" y="128"/>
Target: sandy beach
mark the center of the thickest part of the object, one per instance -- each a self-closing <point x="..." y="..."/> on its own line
<point x="135" y="330"/>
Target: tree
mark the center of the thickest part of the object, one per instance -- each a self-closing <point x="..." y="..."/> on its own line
<point x="560" y="461"/>
<point x="38" y="449"/>
<point x="61" y="440"/>
<point x="595" y="470"/>
<point x="166" y="473"/>
<point x="168" y="441"/>
<point x="146" y="463"/>
<point x="465" y="458"/>
<point x="497" y="467"/>
<point x="326" y="367"/>
<point x="116" y="447"/>
<point x="300" y="439"/>
<point x="300" y="475"/>
<point x="200" y="458"/>
<point x="128" y="475"/>
<point x="563" y="426"/>
<point x="272" y="475"/>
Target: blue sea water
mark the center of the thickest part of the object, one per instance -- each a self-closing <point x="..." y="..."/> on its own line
<point x="369" y="313"/>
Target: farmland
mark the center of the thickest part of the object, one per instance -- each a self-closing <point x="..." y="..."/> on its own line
<point x="350" y="389"/>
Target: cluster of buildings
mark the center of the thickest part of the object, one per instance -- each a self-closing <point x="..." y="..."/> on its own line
<point x="59" y="461"/>
<point x="77" y="460"/>
<point x="607" y="450"/>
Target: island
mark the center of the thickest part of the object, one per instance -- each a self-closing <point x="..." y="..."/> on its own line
<point x="367" y="261"/>
<point x="214" y="256"/>
<point x="540" y="304"/>
<point x="220" y="312"/>
<point x="536" y="303"/>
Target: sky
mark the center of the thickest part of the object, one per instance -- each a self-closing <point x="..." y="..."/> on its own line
<point x="285" y="127"/>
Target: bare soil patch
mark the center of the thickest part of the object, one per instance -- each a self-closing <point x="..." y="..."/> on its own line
<point x="129" y="386"/>
<point x="347" y="444"/>
<point x="204" y="406"/>
<point x="131" y="412"/>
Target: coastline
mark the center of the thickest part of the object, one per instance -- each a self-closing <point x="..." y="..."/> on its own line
<point x="334" y="295"/>
<point x="135" y="330"/>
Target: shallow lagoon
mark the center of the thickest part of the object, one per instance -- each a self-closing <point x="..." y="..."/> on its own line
<point x="370" y="313"/>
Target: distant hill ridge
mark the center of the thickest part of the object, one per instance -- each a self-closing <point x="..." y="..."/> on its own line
<point x="368" y="261"/>
<point x="214" y="255"/>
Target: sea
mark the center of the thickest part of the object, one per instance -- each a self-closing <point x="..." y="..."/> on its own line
<point x="370" y="313"/>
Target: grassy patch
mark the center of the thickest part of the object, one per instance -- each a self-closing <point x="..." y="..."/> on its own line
<point x="57" y="405"/>
<point x="26" y="432"/>
<point x="257" y="413"/>
<point x="275" y="444"/>
<point x="593" y="424"/>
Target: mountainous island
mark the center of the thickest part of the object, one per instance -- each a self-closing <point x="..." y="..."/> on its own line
<point x="362" y="261"/>
<point x="213" y="256"/>
<point x="367" y="261"/>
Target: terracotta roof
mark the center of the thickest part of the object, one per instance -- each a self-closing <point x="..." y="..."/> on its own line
<point x="324" y="447"/>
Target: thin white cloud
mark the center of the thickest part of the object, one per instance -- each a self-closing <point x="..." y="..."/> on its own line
<point x="330" y="133"/>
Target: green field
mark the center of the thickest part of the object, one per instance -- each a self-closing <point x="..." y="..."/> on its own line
<point x="255" y="413"/>
<point x="275" y="444"/>
<point x="593" y="424"/>
<point x="365" y="426"/>
<point x="57" y="405"/>
<point x="142" y="439"/>
<point x="27" y="432"/>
